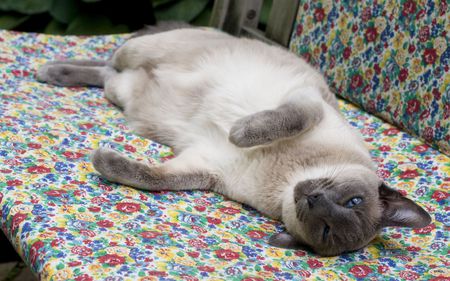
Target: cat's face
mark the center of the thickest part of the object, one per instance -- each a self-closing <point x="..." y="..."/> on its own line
<point x="344" y="213"/>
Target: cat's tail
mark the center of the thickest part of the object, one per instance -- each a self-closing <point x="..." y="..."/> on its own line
<point x="75" y="73"/>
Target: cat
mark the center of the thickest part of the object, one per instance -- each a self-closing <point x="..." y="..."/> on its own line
<point x="250" y="121"/>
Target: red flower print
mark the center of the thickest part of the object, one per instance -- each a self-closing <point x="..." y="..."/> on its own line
<point x="371" y="34"/>
<point x="17" y="219"/>
<point x="87" y="232"/>
<point x="409" y="7"/>
<point x="73" y="155"/>
<point x="439" y="195"/>
<point x="409" y="174"/>
<point x="313" y="263"/>
<point x="383" y="173"/>
<point x="14" y="183"/>
<point x="271" y="268"/>
<point x="193" y="254"/>
<point x="214" y="220"/>
<point x="38" y="170"/>
<point x="128" y="207"/>
<point x="229" y="210"/>
<point x="256" y="234"/>
<point x="347" y="52"/>
<point x="1" y="197"/>
<point x="305" y="273"/>
<point x="200" y="208"/>
<point x="197" y="243"/>
<point x="206" y="268"/>
<point x="409" y="275"/>
<point x="319" y="14"/>
<point x="129" y="148"/>
<point x="34" y="251"/>
<point x="428" y="134"/>
<point x="385" y="148"/>
<point x="56" y="242"/>
<point x="360" y="271"/>
<point x="81" y="251"/>
<point x="391" y="132"/>
<point x="424" y="33"/>
<point x="413" y="249"/>
<point x="94" y="209"/>
<point x="403" y="74"/>
<point x="74" y="263"/>
<point x="383" y="269"/>
<point x="429" y="55"/>
<point x="356" y="82"/>
<point x="86" y="126"/>
<point x="34" y="145"/>
<point x="411" y="48"/>
<point x="105" y="223"/>
<point x="299" y="29"/>
<point x="421" y="148"/>
<point x="366" y="14"/>
<point x="55" y="193"/>
<point x="84" y="277"/>
<point x="150" y="234"/>
<point x="227" y="254"/>
<point x="157" y="273"/>
<point x="112" y="259"/>
<point x="413" y="106"/>
<point x="67" y="110"/>
<point x="425" y="230"/>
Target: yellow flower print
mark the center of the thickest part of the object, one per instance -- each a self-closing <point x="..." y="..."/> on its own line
<point x="185" y="261"/>
<point x="309" y="24"/>
<point x="440" y="44"/>
<point x="45" y="140"/>
<point x="327" y="5"/>
<point x="275" y="252"/>
<point x="417" y="66"/>
<point x="400" y="57"/>
<point x="380" y="24"/>
<point x="85" y="217"/>
<point x="398" y="40"/>
<point x="120" y="251"/>
<point x="66" y="209"/>
<point x="63" y="274"/>
<point x="85" y="167"/>
<point x="359" y="44"/>
<point x="24" y="209"/>
<point x="344" y="36"/>
<point x="139" y="142"/>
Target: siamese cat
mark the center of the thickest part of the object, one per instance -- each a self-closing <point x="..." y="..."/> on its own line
<point x="250" y="121"/>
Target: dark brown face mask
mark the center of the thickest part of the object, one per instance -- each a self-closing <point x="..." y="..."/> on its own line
<point x="343" y="216"/>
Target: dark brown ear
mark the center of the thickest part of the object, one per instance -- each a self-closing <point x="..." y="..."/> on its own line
<point x="284" y="240"/>
<point x="400" y="211"/>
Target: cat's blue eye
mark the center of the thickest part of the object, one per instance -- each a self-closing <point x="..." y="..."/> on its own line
<point x="353" y="202"/>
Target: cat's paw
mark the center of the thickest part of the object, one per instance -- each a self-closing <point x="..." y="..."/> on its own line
<point x="250" y="131"/>
<point x="109" y="163"/>
<point x="53" y="73"/>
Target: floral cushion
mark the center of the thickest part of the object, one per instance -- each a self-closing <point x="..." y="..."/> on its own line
<point x="69" y="224"/>
<point x="390" y="57"/>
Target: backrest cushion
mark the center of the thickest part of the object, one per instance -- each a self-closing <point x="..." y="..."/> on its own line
<point x="391" y="58"/>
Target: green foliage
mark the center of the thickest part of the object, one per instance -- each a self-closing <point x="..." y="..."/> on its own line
<point x="86" y="17"/>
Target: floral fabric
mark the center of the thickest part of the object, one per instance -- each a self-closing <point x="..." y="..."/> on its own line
<point x="69" y="224"/>
<point x="391" y="57"/>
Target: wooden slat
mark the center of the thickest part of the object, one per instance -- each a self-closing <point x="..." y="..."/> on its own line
<point x="281" y="20"/>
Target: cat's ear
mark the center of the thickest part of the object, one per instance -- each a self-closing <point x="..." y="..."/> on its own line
<point x="400" y="211"/>
<point x="284" y="240"/>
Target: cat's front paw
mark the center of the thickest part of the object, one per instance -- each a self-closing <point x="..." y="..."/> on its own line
<point x="249" y="131"/>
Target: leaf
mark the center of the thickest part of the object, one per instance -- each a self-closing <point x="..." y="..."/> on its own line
<point x="55" y="27"/>
<point x="265" y="11"/>
<point x="8" y="21"/>
<point x="185" y="10"/>
<point x="28" y="7"/>
<point x="94" y="25"/>
<point x="64" y="11"/>
<point x="203" y="18"/>
<point x="157" y="3"/>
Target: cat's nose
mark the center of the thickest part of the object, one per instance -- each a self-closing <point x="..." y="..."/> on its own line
<point x="312" y="199"/>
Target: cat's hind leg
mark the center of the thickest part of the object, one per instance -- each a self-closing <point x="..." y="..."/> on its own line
<point x="75" y="73"/>
<point x="180" y="173"/>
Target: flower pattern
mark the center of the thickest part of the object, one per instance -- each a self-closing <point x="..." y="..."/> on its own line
<point x="392" y="58"/>
<point x="69" y="224"/>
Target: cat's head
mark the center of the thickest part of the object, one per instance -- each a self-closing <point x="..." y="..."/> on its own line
<point x="343" y="213"/>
